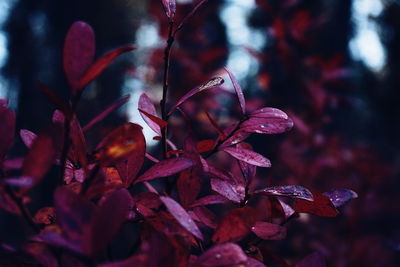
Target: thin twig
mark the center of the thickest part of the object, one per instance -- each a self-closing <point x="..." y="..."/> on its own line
<point x="163" y="102"/>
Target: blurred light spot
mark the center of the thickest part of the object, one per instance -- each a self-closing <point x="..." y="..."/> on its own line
<point x="366" y="45"/>
<point x="234" y="14"/>
<point x="5" y="7"/>
<point x="147" y="35"/>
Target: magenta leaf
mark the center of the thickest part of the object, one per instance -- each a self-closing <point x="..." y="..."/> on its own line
<point x="293" y="191"/>
<point x="209" y="200"/>
<point x="27" y="137"/>
<point x="340" y="197"/>
<point x="312" y="260"/>
<point x="147" y="105"/>
<point x="181" y="216"/>
<point x="111" y="214"/>
<point x="169" y="8"/>
<point x="269" y="231"/>
<point x="233" y="192"/>
<point x="248" y="156"/>
<point x="269" y="113"/>
<point x="7" y="130"/>
<point x="212" y="83"/>
<point x="228" y="254"/>
<point x="262" y="125"/>
<point x="248" y="170"/>
<point x="107" y="111"/>
<point x="238" y="90"/>
<point x="101" y="64"/>
<point x="79" y="49"/>
<point x="236" y="138"/>
<point x="165" y="168"/>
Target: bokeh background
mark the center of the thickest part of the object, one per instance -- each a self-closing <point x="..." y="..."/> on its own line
<point x="333" y="66"/>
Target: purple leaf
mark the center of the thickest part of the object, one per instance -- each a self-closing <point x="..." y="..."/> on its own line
<point x="236" y="138"/>
<point x="209" y="200"/>
<point x="169" y="8"/>
<point x="312" y="260"/>
<point x="251" y="262"/>
<point x="340" y="197"/>
<point x="181" y="216"/>
<point x="112" y="213"/>
<point x="287" y="210"/>
<point x="75" y="214"/>
<point x="146" y="104"/>
<point x="40" y="157"/>
<point x="238" y="90"/>
<point x="101" y="64"/>
<point x="7" y="130"/>
<point x="266" y="125"/>
<point x="212" y="83"/>
<point x="294" y="191"/>
<point x="248" y="170"/>
<point x="79" y="49"/>
<point x="233" y="192"/>
<point x="107" y="111"/>
<point x="228" y="254"/>
<point x="269" y="231"/>
<point x="248" y="156"/>
<point x="165" y="168"/>
<point x="27" y="137"/>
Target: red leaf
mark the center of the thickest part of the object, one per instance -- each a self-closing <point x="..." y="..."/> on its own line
<point x="112" y="213"/>
<point x="181" y="216"/>
<point x="269" y="231"/>
<point x="79" y="142"/>
<point x="146" y="104"/>
<point x="235" y="225"/>
<point x="340" y="197"/>
<point x="79" y="49"/>
<point x="107" y="111"/>
<point x="55" y="99"/>
<point x="46" y="215"/>
<point x="27" y="137"/>
<point x="215" y="125"/>
<point x="233" y="192"/>
<point x="161" y="123"/>
<point x="293" y="191"/>
<point x="238" y="90"/>
<point x="212" y="83"/>
<point x="312" y="260"/>
<point x="40" y="157"/>
<point x="101" y="64"/>
<point x="228" y="254"/>
<point x="121" y="143"/>
<point x="321" y="206"/>
<point x="169" y="8"/>
<point x="7" y="130"/>
<point x="266" y="125"/>
<point x="7" y="203"/>
<point x="248" y="156"/>
<point x="205" y="145"/>
<point x="209" y="200"/>
<point x="165" y="168"/>
<point x="206" y="216"/>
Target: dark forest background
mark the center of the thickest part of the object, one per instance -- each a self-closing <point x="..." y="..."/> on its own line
<point x="346" y="115"/>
